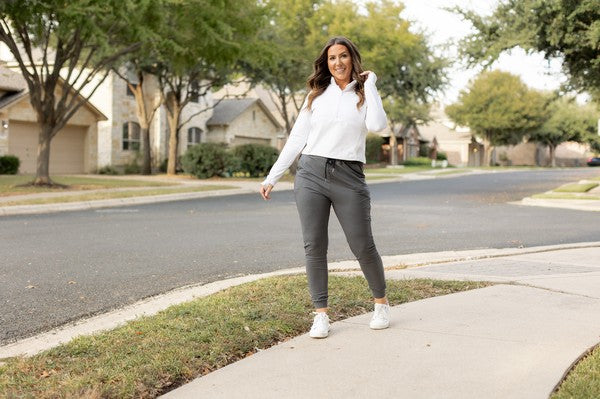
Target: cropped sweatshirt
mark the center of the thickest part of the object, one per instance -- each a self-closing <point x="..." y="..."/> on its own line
<point x="334" y="127"/>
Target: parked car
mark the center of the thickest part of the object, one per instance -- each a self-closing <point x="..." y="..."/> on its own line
<point x="594" y="161"/>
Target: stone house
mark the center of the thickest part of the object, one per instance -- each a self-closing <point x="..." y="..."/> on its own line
<point x="108" y="132"/>
<point x="244" y="121"/>
<point x="73" y="150"/>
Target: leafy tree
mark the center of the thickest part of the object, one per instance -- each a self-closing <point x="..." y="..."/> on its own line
<point x="409" y="72"/>
<point x="78" y="41"/>
<point x="499" y="108"/>
<point x="558" y="28"/>
<point x="287" y="62"/>
<point x="203" y="46"/>
<point x="568" y="121"/>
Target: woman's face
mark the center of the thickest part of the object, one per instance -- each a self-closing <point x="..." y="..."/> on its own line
<point x="339" y="63"/>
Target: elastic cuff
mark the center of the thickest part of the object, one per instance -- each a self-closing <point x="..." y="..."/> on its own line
<point x="320" y="304"/>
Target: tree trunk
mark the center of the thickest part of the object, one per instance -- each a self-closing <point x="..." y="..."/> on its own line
<point x="393" y="149"/>
<point x="42" y="171"/>
<point x="146" y="153"/>
<point x="552" y="155"/>
<point x="173" y="116"/>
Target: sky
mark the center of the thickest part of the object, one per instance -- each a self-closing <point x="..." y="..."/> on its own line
<point x="443" y="26"/>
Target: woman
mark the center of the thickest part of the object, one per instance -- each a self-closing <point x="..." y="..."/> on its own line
<point x="341" y="107"/>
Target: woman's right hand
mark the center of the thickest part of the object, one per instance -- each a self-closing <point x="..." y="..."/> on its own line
<point x="265" y="191"/>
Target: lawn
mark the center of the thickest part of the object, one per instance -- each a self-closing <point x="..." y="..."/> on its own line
<point x="10" y="184"/>
<point x="584" y="379"/>
<point x="155" y="354"/>
<point x="576" y="188"/>
<point x="115" y="194"/>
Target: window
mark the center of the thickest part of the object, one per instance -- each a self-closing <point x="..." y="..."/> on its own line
<point x="129" y="92"/>
<point x="131" y="136"/>
<point x="195" y="92"/>
<point x="194" y="136"/>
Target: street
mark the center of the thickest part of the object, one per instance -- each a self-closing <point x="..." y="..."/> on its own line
<point x="61" y="267"/>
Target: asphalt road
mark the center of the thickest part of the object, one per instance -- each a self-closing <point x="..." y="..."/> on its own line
<point x="56" y="268"/>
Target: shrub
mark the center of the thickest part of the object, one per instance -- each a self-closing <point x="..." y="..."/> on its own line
<point x="418" y="161"/>
<point x="9" y="165"/>
<point x="373" y="150"/>
<point x="206" y="160"/>
<point x="255" y="159"/>
<point x="108" y="170"/>
<point x="441" y="156"/>
<point x="133" y="168"/>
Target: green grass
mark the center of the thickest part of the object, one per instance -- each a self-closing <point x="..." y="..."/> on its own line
<point x="567" y="196"/>
<point x="576" y="188"/>
<point x="9" y="184"/>
<point x="152" y="355"/>
<point x="395" y="171"/>
<point x="114" y="194"/>
<point x="584" y="380"/>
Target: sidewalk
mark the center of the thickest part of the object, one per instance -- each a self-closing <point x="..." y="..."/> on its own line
<point x="513" y="340"/>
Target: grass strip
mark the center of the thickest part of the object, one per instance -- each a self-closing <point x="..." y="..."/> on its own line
<point x="397" y="171"/>
<point x="568" y="196"/>
<point x="584" y="380"/>
<point x="155" y="354"/>
<point x="114" y="194"/>
<point x="9" y="184"/>
<point x="576" y="188"/>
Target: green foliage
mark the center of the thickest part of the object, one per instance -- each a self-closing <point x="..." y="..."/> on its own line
<point x="567" y="121"/>
<point x="373" y="151"/>
<point x="255" y="159"/>
<point x="133" y="167"/>
<point x="108" y="170"/>
<point x="206" y="160"/>
<point x="9" y="165"/>
<point x="499" y="107"/>
<point x="441" y="156"/>
<point x="408" y="70"/>
<point x="417" y="161"/>
<point x="558" y="28"/>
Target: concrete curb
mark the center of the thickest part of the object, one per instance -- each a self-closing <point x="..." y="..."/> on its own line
<point x="150" y="306"/>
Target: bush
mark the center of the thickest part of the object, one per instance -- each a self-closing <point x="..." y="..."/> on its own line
<point x="418" y="161"/>
<point x="255" y="159"/>
<point x="373" y="150"/>
<point x="441" y="156"/>
<point x="133" y="168"/>
<point x="9" y="165"/>
<point x="206" y="160"/>
<point x="108" y="170"/>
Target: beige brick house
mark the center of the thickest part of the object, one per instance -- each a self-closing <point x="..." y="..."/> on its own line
<point x="73" y="150"/>
<point x="244" y="121"/>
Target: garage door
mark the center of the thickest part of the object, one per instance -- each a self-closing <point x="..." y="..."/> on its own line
<point x="66" y="150"/>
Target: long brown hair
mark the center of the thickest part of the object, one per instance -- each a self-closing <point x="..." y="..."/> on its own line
<point x="321" y="77"/>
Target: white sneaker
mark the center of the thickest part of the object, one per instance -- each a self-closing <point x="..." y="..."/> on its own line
<point x="381" y="317"/>
<point x="320" y="327"/>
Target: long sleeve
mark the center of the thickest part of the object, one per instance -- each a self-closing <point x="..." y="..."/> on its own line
<point x="376" y="119"/>
<point x="295" y="143"/>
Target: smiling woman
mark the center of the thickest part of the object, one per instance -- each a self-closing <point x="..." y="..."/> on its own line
<point x="330" y="132"/>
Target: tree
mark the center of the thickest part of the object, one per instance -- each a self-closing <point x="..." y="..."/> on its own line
<point x="409" y="72"/>
<point x="203" y="46"/>
<point x="78" y="41"/>
<point x="567" y="121"/>
<point x="499" y="108"/>
<point x="558" y="28"/>
<point x="286" y="64"/>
